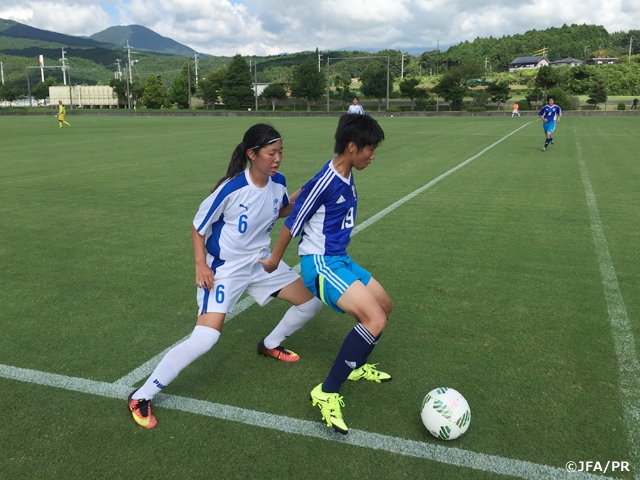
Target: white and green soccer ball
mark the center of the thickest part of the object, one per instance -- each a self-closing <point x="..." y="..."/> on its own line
<point x="445" y="413"/>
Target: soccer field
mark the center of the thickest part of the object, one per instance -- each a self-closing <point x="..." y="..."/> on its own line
<point x="514" y="274"/>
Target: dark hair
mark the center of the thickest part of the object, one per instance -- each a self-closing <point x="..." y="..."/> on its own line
<point x="356" y="98"/>
<point x="550" y="97"/>
<point x="359" y="129"/>
<point x="258" y="136"/>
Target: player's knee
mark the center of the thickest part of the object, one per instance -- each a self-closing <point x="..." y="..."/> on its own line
<point x="387" y="306"/>
<point x="203" y="339"/>
<point x="311" y="308"/>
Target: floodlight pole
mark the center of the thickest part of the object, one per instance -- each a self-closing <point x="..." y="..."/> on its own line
<point x="189" y="83"/>
<point x="2" y="73"/>
<point x="255" y="70"/>
<point x="388" y="63"/>
<point x="29" y="88"/>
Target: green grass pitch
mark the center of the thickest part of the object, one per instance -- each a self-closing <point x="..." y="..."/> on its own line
<point x="493" y="271"/>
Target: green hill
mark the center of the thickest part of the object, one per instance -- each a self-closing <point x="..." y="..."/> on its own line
<point x="9" y="28"/>
<point x="142" y="38"/>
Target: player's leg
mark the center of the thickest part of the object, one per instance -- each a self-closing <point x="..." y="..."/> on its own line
<point x="205" y="335"/>
<point x="287" y="285"/>
<point x="304" y="306"/>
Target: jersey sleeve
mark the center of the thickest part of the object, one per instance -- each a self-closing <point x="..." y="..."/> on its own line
<point x="281" y="180"/>
<point x="210" y="211"/>
<point x="559" y="111"/>
<point x="310" y="199"/>
<point x="541" y="112"/>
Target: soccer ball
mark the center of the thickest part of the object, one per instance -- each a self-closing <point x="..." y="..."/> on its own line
<point x="445" y="413"/>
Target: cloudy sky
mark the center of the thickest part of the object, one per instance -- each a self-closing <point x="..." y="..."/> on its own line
<point x="267" y="27"/>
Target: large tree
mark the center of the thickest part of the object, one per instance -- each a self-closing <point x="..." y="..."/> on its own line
<point x="120" y="87"/>
<point x="41" y="90"/>
<point x="409" y="89"/>
<point x="9" y="94"/>
<point x="179" y="90"/>
<point x="307" y="82"/>
<point x="273" y="93"/>
<point x="453" y="85"/>
<point x="154" y="92"/>
<point x="598" y="94"/>
<point x="499" y="92"/>
<point x="136" y="89"/>
<point x="236" y="88"/>
<point x="211" y="85"/>
<point x="374" y="81"/>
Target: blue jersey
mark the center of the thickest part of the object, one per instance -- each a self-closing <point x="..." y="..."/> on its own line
<point x="550" y="113"/>
<point x="237" y="218"/>
<point x="325" y="213"/>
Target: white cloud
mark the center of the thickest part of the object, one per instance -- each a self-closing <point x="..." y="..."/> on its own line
<point x="260" y="27"/>
<point x="78" y="18"/>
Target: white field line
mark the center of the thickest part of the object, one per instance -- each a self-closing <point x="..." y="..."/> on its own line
<point x="623" y="340"/>
<point x="145" y="369"/>
<point x="360" y="438"/>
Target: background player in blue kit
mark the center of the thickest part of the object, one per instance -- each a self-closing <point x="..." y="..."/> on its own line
<point x="230" y="233"/>
<point x="550" y="114"/>
<point x="325" y="214"/>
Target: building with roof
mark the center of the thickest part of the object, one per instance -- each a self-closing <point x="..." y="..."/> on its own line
<point x="569" y="61"/>
<point x="602" y="61"/>
<point x="528" y="63"/>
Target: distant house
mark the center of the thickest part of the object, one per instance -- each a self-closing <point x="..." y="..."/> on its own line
<point x="528" y="63"/>
<point x="570" y="61"/>
<point x="602" y="61"/>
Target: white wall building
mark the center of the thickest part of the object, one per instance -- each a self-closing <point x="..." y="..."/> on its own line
<point x="84" y="96"/>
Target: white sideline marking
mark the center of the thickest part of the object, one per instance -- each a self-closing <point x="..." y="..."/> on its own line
<point x="360" y="438"/>
<point x="145" y="369"/>
<point x="623" y="340"/>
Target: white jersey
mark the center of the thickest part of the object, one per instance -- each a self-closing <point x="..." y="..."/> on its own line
<point x="237" y="218"/>
<point x="356" y="109"/>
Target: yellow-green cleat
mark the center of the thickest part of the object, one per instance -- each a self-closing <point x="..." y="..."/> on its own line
<point x="330" y="405"/>
<point x="369" y="372"/>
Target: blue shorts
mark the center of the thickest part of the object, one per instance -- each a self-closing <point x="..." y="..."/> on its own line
<point x="328" y="277"/>
<point x="549" y="126"/>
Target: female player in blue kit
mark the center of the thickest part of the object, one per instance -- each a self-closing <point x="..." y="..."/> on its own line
<point x="231" y="233"/>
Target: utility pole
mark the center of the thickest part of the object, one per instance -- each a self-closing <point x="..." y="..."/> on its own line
<point x="255" y="82"/>
<point x="189" y="83"/>
<point x="195" y="55"/>
<point x="486" y="61"/>
<point x="118" y="73"/>
<point x="630" y="44"/>
<point x="2" y="73"/>
<point x="129" y="52"/>
<point x="64" y="67"/>
<point x="402" y="67"/>
<point x="319" y="58"/>
<point x="585" y="50"/>
<point x="438" y="59"/>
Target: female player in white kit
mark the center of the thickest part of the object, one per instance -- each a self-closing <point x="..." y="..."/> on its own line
<point x="231" y="232"/>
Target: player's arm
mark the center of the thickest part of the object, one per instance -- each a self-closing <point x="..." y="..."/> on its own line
<point x="286" y="210"/>
<point x="282" y="243"/>
<point x="204" y="274"/>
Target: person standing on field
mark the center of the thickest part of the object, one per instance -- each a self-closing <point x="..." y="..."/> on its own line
<point x="356" y="108"/>
<point x="62" y="113"/>
<point x="550" y="114"/>
<point x="325" y="215"/>
<point x="515" y="109"/>
<point x="230" y="234"/>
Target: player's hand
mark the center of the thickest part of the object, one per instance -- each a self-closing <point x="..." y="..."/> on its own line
<point x="269" y="265"/>
<point x="204" y="276"/>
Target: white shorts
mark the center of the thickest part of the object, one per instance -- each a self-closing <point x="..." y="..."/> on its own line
<point x="232" y="279"/>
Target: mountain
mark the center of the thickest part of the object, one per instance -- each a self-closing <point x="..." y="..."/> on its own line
<point x="9" y="28"/>
<point x="142" y="38"/>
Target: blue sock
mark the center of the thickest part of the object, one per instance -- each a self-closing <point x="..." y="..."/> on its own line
<point x="356" y="344"/>
<point x="365" y="357"/>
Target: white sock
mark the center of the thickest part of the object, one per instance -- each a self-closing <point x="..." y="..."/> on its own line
<point x="295" y="318"/>
<point x="176" y="359"/>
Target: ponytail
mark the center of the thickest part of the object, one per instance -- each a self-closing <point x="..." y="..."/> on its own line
<point x="254" y="139"/>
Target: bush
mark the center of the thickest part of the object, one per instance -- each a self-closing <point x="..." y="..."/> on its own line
<point x="394" y="109"/>
<point x="562" y="99"/>
<point x="425" y="104"/>
<point x="575" y="103"/>
<point x="525" y="105"/>
<point x="476" y="109"/>
<point x="622" y="106"/>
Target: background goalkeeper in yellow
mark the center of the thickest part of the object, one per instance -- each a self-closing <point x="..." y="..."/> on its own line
<point x="62" y="112"/>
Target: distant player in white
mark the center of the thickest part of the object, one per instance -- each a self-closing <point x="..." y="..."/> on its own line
<point x="355" y="107"/>
<point x="325" y="214"/>
<point x="231" y="232"/>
